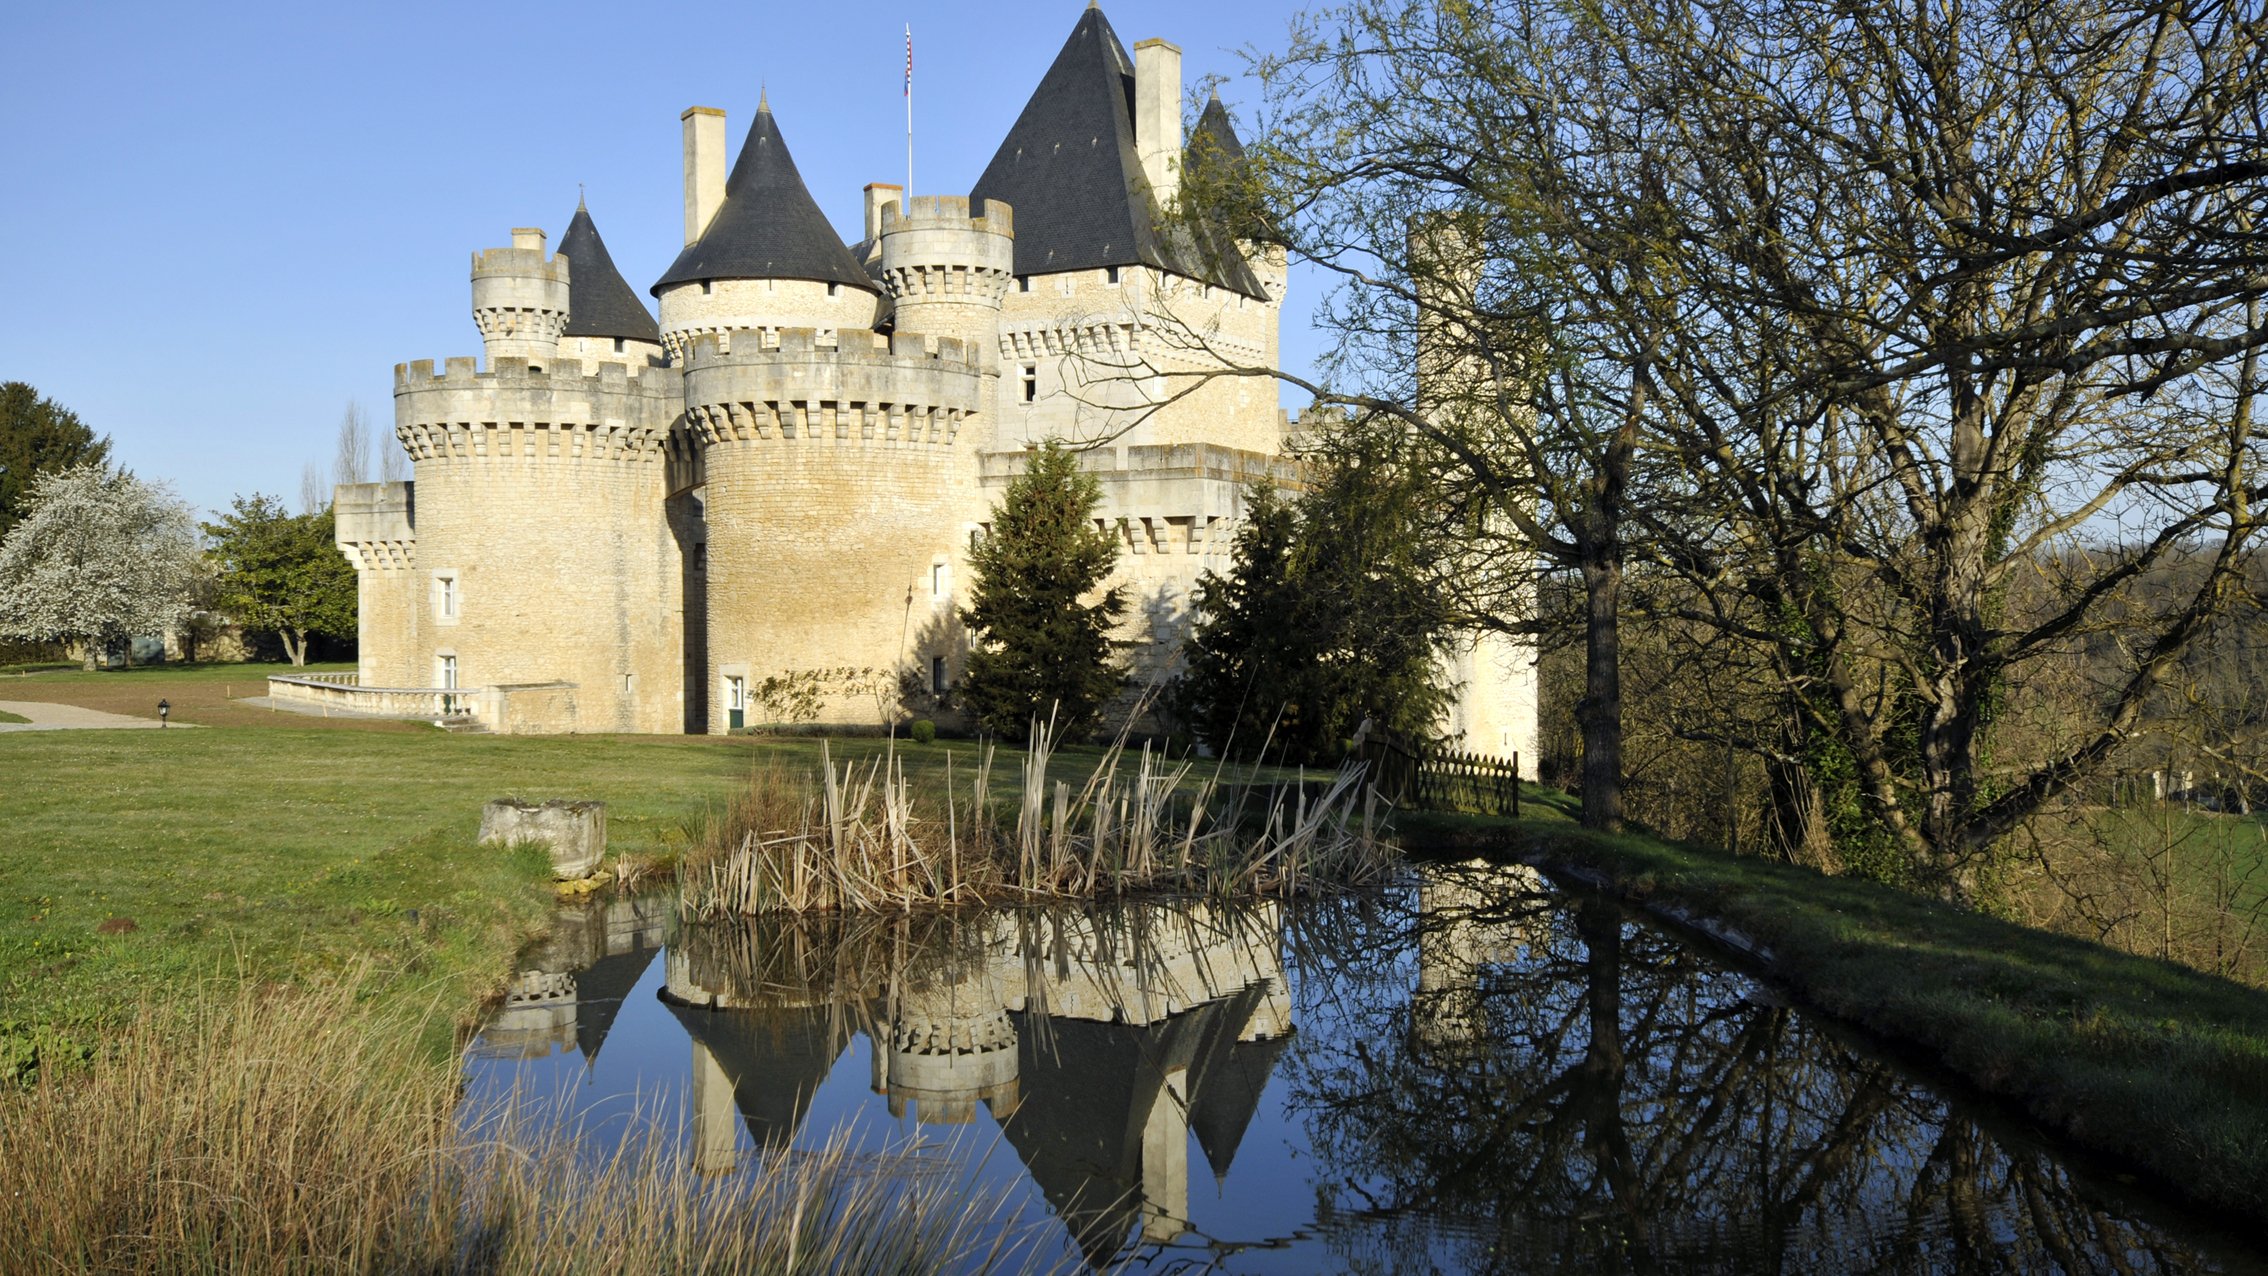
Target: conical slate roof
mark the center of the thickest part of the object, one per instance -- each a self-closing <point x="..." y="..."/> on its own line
<point x="599" y="300"/>
<point x="1214" y="129"/>
<point x="768" y="227"/>
<point x="1071" y="170"/>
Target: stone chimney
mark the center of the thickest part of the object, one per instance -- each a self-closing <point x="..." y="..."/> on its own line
<point x="528" y="237"/>
<point x="704" y="167"/>
<point x="1157" y="115"/>
<point x="880" y="195"/>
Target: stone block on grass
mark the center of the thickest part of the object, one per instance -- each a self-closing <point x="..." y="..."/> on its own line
<point x="573" y="832"/>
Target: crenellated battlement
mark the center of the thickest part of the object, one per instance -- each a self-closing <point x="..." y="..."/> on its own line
<point x="819" y="346"/>
<point x="950" y="212"/>
<point x="859" y="386"/>
<point x="560" y="408"/>
<point x="464" y="370"/>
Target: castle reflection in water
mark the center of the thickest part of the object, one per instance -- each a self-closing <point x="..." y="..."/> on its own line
<point x="1467" y="1070"/>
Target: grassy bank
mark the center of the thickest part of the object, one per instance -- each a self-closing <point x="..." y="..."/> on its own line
<point x="2151" y="1062"/>
<point x="256" y="1132"/>
<point x="280" y="849"/>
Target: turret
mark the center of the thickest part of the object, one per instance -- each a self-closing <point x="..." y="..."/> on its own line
<point x="766" y="257"/>
<point x="519" y="299"/>
<point x="949" y="270"/>
<point x="606" y="322"/>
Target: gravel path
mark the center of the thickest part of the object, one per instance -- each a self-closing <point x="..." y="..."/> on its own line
<point x="70" y="717"/>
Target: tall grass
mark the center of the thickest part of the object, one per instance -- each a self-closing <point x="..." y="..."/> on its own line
<point x="861" y="836"/>
<point x="288" y="1132"/>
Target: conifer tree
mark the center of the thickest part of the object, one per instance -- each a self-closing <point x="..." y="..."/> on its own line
<point x="1042" y="649"/>
<point x="38" y="436"/>
<point x="1246" y="688"/>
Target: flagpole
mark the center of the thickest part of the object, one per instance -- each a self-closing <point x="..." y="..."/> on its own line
<point x="909" y="118"/>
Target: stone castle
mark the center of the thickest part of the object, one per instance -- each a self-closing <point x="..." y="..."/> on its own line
<point x="759" y="508"/>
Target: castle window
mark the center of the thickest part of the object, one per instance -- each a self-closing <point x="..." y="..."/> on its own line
<point x="707" y="288"/>
<point x="1023" y="283"/>
<point x="940" y="579"/>
<point x="445" y="671"/>
<point x="937" y="675"/>
<point x="618" y="345"/>
<point x="833" y="289"/>
<point x="1031" y="382"/>
<point x="445" y="597"/>
<point x="974" y="534"/>
<point x="629" y="685"/>
<point x="1110" y="275"/>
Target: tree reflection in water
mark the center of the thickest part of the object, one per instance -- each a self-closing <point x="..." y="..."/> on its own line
<point x="1567" y="1089"/>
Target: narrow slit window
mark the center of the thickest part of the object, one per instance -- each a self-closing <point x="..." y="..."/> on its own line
<point x="1110" y="275"/>
<point x="1023" y="283"/>
<point x="1031" y="382"/>
<point x="937" y="675"/>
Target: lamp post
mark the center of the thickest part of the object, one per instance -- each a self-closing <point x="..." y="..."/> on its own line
<point x="163" y="709"/>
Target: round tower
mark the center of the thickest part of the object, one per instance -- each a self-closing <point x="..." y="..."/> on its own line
<point x="519" y="298"/>
<point x="839" y="488"/>
<point x="949" y="270"/>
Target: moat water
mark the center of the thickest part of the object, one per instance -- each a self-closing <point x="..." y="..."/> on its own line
<point x="1471" y="1071"/>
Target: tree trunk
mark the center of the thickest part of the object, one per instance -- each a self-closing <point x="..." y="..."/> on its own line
<point x="1599" y="712"/>
<point x="87" y="655"/>
<point x="295" y="645"/>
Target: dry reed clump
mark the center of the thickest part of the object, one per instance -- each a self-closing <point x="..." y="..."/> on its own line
<point x="864" y="837"/>
<point x="293" y="1132"/>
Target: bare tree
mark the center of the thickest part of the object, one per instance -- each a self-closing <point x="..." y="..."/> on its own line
<point x="353" y="462"/>
<point x="314" y="489"/>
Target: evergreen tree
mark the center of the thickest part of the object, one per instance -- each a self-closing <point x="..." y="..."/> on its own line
<point x="284" y="572"/>
<point x="1249" y="664"/>
<point x="38" y="436"/>
<point x="1041" y="649"/>
<point x="1331" y="614"/>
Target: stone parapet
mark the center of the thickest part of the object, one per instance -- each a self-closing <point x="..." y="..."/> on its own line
<point x="860" y="387"/>
<point x="516" y="409"/>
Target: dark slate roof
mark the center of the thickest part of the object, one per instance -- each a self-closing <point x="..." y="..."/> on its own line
<point x="1214" y="129"/>
<point x="1071" y="170"/>
<point x="768" y="227"/>
<point x="601" y="988"/>
<point x="776" y="1061"/>
<point x="599" y="300"/>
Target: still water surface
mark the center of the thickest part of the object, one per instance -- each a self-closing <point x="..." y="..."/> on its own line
<point x="1468" y="1072"/>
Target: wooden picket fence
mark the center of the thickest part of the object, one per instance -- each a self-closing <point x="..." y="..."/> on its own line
<point x="1442" y="779"/>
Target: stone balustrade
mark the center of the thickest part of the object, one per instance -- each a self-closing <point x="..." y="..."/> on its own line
<point x="343" y="693"/>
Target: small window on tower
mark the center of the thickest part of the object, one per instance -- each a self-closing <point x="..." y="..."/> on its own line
<point x="1110" y="275"/>
<point x="939" y="580"/>
<point x="1023" y="283"/>
<point x="618" y="345"/>
<point x="1031" y="382"/>
<point x="706" y="288"/>
<point x="937" y="675"/>
<point x="834" y="289"/>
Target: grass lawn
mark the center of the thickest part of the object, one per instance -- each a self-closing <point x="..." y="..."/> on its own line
<point x="278" y="847"/>
<point x="2150" y="1061"/>
<point x="6" y="717"/>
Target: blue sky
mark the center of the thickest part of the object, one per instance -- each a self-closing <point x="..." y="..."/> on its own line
<point x="218" y="224"/>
